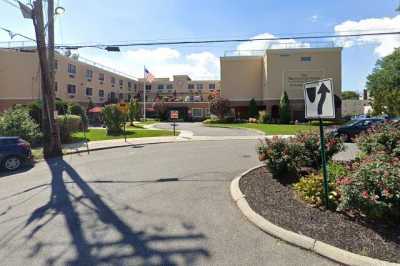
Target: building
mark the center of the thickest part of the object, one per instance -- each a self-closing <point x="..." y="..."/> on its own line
<point x="265" y="77"/>
<point x="83" y="81"/>
<point x="76" y="80"/>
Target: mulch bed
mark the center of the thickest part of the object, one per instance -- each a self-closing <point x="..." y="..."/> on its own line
<point x="277" y="202"/>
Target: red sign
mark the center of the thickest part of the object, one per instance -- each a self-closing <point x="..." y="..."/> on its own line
<point x="174" y="114"/>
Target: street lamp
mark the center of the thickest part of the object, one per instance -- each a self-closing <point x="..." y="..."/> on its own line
<point x="59" y="10"/>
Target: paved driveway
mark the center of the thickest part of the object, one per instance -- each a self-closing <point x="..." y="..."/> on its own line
<point x="165" y="204"/>
<point x="200" y="130"/>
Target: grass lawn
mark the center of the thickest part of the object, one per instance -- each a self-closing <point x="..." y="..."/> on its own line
<point x="131" y="132"/>
<point x="271" y="129"/>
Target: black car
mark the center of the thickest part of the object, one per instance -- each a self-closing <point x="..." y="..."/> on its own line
<point x="355" y="127"/>
<point x="14" y="153"/>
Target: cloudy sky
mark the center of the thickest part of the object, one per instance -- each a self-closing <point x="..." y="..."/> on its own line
<point x="126" y="21"/>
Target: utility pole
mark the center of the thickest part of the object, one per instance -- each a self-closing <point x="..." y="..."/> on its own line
<point x="52" y="143"/>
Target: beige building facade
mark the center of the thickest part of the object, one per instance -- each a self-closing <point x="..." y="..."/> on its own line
<point x="83" y="81"/>
<point x="266" y="77"/>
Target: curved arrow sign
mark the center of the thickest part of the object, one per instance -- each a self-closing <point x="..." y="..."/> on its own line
<point x="319" y="99"/>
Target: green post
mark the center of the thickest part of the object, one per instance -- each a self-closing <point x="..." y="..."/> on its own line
<point x="323" y="158"/>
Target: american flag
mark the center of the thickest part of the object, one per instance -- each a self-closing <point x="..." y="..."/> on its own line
<point x="148" y="76"/>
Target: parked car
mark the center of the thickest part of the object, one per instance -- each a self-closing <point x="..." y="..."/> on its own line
<point x="355" y="127"/>
<point x="14" y="153"/>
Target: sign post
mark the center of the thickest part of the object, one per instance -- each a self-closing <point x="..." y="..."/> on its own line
<point x="174" y="114"/>
<point x="319" y="104"/>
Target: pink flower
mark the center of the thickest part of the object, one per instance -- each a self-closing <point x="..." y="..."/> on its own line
<point x="365" y="194"/>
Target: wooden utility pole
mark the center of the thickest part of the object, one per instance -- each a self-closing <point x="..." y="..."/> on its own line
<point x="51" y="135"/>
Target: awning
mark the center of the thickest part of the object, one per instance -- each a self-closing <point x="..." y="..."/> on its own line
<point x="96" y="110"/>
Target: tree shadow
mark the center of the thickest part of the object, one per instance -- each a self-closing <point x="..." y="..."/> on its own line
<point x="136" y="245"/>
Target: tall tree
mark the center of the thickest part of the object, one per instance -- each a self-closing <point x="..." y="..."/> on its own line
<point x="133" y="111"/>
<point x="253" y="111"/>
<point x="219" y="107"/>
<point x="284" y="112"/>
<point x="350" y="95"/>
<point x="384" y="85"/>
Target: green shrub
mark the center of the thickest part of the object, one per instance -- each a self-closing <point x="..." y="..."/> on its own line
<point x="17" y="122"/>
<point x="284" y="111"/>
<point x="290" y="155"/>
<point x="77" y="109"/>
<point x="68" y="124"/>
<point x="263" y="117"/>
<point x="311" y="142"/>
<point x="283" y="156"/>
<point x="113" y="119"/>
<point x="373" y="187"/>
<point x="35" y="111"/>
<point x="310" y="189"/>
<point x="253" y="110"/>
<point x="385" y="137"/>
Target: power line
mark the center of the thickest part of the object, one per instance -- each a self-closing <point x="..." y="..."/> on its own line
<point x="14" y="34"/>
<point x="231" y="40"/>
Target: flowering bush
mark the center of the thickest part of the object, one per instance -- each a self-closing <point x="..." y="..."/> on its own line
<point x="290" y="155"/>
<point x="311" y="142"/>
<point x="310" y="188"/>
<point x="373" y="187"/>
<point x="283" y="156"/>
<point x="385" y="137"/>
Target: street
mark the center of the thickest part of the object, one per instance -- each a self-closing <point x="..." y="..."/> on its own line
<point x="165" y="204"/>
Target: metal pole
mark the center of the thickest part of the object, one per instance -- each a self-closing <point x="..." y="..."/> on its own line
<point x="323" y="158"/>
<point x="144" y="94"/>
<point x="125" y="128"/>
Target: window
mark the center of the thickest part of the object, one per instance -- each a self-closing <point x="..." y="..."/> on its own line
<point x="129" y="84"/>
<point x="55" y="86"/>
<point x="135" y="86"/>
<point x="112" y="80"/>
<point x="306" y="59"/>
<point x="89" y="74"/>
<point x="211" y="86"/>
<point x="121" y="82"/>
<point x="71" y="89"/>
<point x="160" y="86"/>
<point x="55" y="64"/>
<point x="89" y="91"/>
<point x="199" y="86"/>
<point x="169" y="87"/>
<point x="191" y="86"/>
<point x="101" y="76"/>
<point x="197" y="112"/>
<point x="101" y="93"/>
<point x="121" y="96"/>
<point x="148" y="87"/>
<point x="71" y="69"/>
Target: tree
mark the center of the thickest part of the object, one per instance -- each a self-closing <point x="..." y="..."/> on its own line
<point x="113" y="119"/>
<point x="384" y="85"/>
<point x="160" y="107"/>
<point x="350" y="95"/>
<point x="18" y="122"/>
<point x="253" y="110"/>
<point x="284" y="112"/>
<point x="77" y="109"/>
<point x="133" y="111"/>
<point x="220" y="107"/>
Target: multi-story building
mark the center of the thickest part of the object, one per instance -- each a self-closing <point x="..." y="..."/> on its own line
<point x="266" y="76"/>
<point x="76" y="80"/>
<point x="263" y="77"/>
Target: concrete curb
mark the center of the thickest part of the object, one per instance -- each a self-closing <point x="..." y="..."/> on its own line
<point x="321" y="248"/>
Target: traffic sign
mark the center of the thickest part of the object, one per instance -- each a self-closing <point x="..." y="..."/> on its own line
<point x="319" y="99"/>
<point x="123" y="107"/>
<point x="174" y="114"/>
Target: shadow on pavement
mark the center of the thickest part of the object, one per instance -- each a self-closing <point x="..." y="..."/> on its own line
<point x="5" y="173"/>
<point x="130" y="245"/>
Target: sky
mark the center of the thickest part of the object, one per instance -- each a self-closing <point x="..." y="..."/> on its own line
<point x="123" y="21"/>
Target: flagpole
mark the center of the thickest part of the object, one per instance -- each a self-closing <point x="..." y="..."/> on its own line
<point x="144" y="94"/>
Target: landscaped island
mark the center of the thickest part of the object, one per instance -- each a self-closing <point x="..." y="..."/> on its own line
<point x="364" y="195"/>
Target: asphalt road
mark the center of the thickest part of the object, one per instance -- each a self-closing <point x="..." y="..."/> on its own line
<point x="164" y="204"/>
<point x="200" y="130"/>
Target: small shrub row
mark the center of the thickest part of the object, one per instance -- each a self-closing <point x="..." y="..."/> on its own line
<point x="284" y="156"/>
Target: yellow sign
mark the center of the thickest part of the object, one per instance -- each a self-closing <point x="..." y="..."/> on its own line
<point x="123" y="107"/>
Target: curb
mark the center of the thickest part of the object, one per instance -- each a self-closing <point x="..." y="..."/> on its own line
<point x="305" y="242"/>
